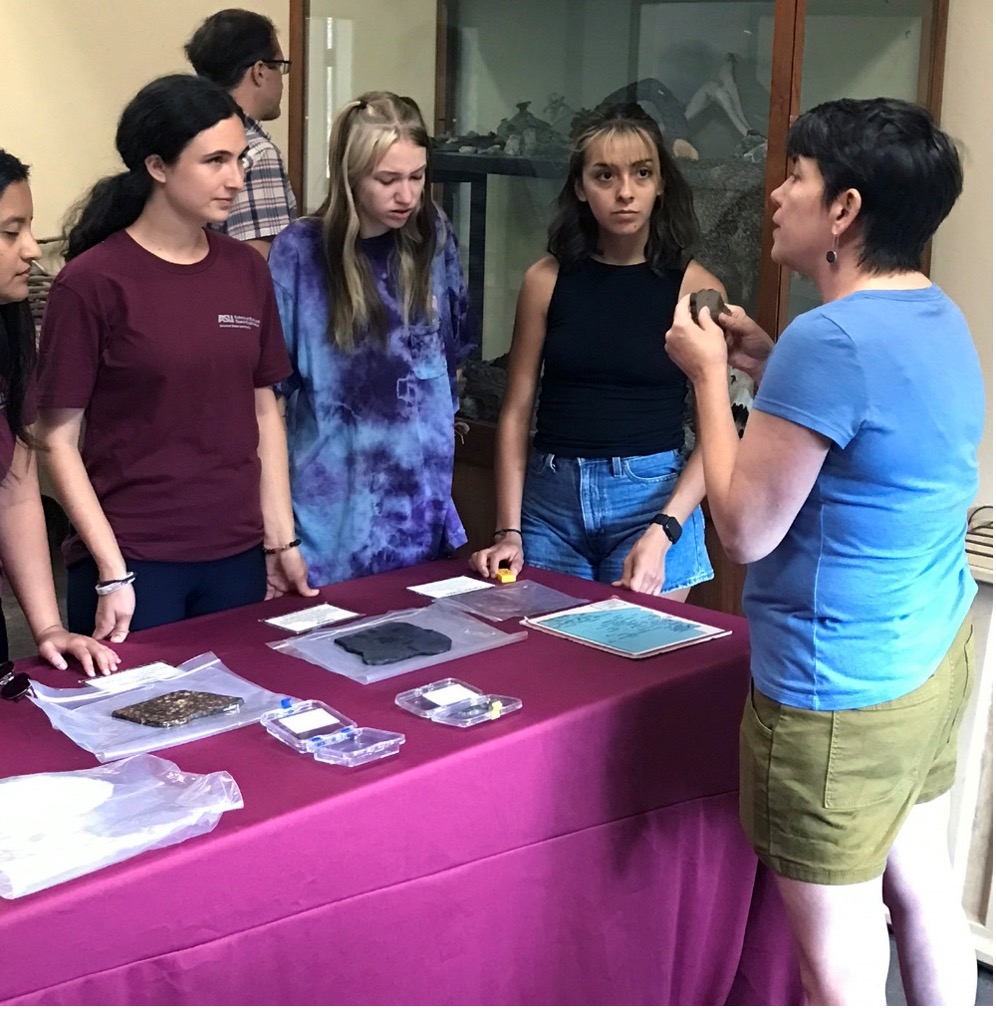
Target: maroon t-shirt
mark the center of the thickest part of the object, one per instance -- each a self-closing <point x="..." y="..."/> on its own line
<point x="165" y="359"/>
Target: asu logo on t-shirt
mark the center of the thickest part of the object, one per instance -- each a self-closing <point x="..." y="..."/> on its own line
<point x="231" y="321"/>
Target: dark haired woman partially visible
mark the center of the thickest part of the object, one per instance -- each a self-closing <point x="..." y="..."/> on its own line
<point x="23" y="541"/>
<point x="848" y="496"/>
<point x="164" y="336"/>
<point x="605" y="492"/>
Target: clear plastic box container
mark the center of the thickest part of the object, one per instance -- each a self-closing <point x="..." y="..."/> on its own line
<point x="357" y="746"/>
<point x="456" y="703"/>
<point x="303" y="726"/>
<point x="427" y="699"/>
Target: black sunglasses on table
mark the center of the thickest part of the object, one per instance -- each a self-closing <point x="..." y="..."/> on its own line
<point x="13" y="684"/>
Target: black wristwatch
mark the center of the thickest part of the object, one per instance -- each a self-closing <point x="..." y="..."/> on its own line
<point x="670" y="526"/>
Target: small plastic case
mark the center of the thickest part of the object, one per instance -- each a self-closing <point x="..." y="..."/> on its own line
<point x="443" y="694"/>
<point x="474" y="711"/>
<point x="456" y="703"/>
<point x="358" y="745"/>
<point x="303" y="726"/>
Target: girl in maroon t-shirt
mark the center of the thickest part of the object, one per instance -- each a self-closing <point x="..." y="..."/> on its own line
<point x="165" y="338"/>
<point x="23" y="541"/>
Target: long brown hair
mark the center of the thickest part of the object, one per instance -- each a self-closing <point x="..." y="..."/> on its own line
<point x="673" y="224"/>
<point x="361" y="135"/>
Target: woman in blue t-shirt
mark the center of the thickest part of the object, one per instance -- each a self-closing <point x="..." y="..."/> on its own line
<point x="848" y="497"/>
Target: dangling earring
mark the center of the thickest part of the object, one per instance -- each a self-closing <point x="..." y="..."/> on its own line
<point x="832" y="253"/>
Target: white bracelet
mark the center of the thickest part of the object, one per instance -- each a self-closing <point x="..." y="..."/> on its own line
<point x="110" y="585"/>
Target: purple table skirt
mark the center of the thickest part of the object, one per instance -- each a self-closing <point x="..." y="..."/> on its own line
<point x="585" y="850"/>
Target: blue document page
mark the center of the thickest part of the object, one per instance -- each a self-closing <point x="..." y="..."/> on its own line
<point x="625" y="628"/>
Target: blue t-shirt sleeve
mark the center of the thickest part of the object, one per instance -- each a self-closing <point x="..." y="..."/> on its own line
<point x="815" y="378"/>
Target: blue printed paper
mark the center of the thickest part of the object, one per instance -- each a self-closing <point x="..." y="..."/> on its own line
<point x="626" y="629"/>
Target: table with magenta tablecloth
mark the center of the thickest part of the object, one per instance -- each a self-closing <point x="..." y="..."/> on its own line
<point x="583" y="850"/>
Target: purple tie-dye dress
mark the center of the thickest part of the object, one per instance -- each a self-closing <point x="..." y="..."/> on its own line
<point x="370" y="434"/>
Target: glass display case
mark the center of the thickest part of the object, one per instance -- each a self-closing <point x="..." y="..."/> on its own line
<point x="502" y="81"/>
<point x="723" y="78"/>
<point x="520" y="73"/>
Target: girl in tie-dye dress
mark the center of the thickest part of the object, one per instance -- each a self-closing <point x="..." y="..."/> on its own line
<point x="374" y="311"/>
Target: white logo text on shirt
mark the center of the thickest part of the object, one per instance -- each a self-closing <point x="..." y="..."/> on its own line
<point x="231" y="321"/>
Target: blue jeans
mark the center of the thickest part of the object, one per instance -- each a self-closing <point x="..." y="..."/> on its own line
<point x="583" y="515"/>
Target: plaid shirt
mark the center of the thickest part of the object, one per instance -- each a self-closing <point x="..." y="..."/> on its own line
<point x="267" y="204"/>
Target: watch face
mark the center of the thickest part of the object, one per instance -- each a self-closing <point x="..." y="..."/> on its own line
<point x="671" y="527"/>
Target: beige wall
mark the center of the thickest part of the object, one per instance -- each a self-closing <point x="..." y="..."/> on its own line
<point x="393" y="45"/>
<point x="363" y="45"/>
<point x="68" y="69"/>
<point x="963" y="250"/>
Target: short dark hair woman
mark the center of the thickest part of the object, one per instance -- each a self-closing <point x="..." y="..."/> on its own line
<point x="848" y="497"/>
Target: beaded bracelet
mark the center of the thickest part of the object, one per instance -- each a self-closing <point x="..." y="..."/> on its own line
<point x="283" y="547"/>
<point x="506" y="530"/>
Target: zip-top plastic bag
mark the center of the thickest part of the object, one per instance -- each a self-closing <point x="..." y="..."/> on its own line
<point x="85" y="714"/>
<point x="57" y="826"/>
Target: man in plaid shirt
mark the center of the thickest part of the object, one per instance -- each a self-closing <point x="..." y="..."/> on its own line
<point x="238" y="50"/>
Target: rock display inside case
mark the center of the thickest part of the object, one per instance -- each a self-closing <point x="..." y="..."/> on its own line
<point x="482" y="388"/>
<point x="729" y="203"/>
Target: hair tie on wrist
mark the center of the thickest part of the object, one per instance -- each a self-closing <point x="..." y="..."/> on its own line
<point x="283" y="547"/>
<point x="110" y="585"/>
<point x="507" y="530"/>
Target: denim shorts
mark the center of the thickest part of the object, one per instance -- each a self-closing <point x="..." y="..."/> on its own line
<point x="583" y="515"/>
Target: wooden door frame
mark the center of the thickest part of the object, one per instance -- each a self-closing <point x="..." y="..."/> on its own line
<point x="298" y="55"/>
<point x="786" y="89"/>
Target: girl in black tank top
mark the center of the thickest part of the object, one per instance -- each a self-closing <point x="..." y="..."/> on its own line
<point x="589" y="333"/>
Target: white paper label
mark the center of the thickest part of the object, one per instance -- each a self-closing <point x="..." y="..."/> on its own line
<point x="449" y="587"/>
<point x="126" y="679"/>
<point x="448" y="695"/>
<point x="301" y="723"/>
<point x="311" y="617"/>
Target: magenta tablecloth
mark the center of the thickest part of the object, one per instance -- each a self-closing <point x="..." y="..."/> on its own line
<point x="585" y="850"/>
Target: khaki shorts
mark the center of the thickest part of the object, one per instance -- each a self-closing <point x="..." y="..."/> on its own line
<point x="824" y="794"/>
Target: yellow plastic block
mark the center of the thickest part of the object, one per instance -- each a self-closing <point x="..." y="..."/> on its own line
<point x="505" y="576"/>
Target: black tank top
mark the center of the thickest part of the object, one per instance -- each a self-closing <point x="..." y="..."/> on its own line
<point x="608" y="387"/>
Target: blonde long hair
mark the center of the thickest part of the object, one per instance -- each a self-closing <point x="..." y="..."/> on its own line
<point x="362" y="133"/>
